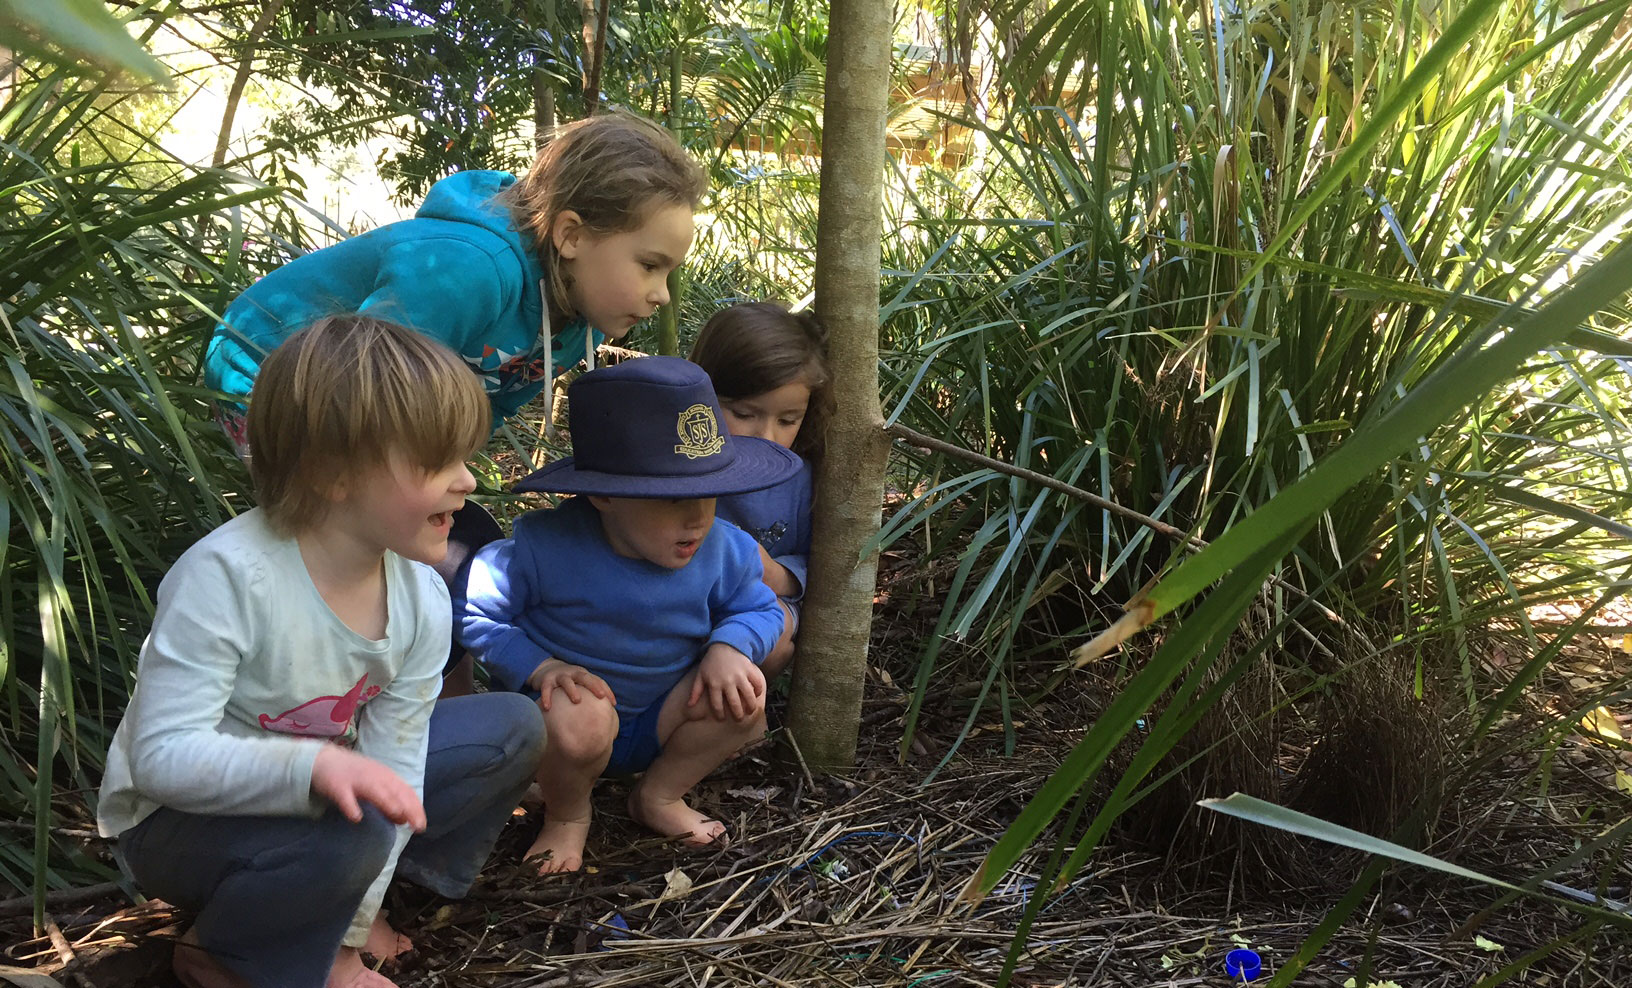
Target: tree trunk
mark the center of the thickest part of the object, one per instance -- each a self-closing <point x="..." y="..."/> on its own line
<point x="597" y="58"/>
<point x="543" y="109"/>
<point x="543" y="91"/>
<point x="241" y="79"/>
<point x="828" y="673"/>
<point x="668" y="320"/>
<point x="590" y="16"/>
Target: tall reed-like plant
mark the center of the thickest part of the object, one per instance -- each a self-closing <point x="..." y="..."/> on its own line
<point x="1263" y="231"/>
<point x="1314" y="283"/>
<point x="109" y="462"/>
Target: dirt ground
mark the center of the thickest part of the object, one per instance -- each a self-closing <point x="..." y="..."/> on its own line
<point x="858" y="880"/>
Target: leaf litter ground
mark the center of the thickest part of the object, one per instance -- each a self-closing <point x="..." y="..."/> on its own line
<point x="857" y="880"/>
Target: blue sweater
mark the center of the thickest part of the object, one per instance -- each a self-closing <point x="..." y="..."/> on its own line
<point x="457" y="272"/>
<point x="779" y="519"/>
<point x="558" y="590"/>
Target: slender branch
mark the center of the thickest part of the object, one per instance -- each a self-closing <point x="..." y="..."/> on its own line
<point x="24" y="904"/>
<point x="915" y="438"/>
<point x="241" y="79"/>
<point x="592" y="86"/>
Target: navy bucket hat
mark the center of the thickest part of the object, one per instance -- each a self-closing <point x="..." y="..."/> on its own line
<point x="651" y="427"/>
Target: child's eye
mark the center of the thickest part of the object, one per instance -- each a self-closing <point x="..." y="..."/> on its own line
<point x="648" y="265"/>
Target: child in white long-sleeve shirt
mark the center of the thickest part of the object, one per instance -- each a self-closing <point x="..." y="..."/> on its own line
<point x="284" y="753"/>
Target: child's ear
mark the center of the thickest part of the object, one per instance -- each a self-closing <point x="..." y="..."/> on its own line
<point x="335" y="490"/>
<point x="600" y="503"/>
<point x="566" y="232"/>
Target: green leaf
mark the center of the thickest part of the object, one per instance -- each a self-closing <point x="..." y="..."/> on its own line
<point x="84" y="27"/>
<point x="1263" y="812"/>
<point x="1474" y="369"/>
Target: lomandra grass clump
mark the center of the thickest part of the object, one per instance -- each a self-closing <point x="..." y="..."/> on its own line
<point x="1354" y="746"/>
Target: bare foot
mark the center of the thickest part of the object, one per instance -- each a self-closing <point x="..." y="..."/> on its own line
<point x="384" y="942"/>
<point x="349" y="971"/>
<point x="195" y="968"/>
<point x="561" y="845"/>
<point x="673" y="818"/>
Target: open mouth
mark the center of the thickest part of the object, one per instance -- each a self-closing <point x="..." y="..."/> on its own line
<point x="442" y="519"/>
<point x="687" y="548"/>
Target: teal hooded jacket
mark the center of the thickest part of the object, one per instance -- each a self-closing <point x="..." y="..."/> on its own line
<point x="457" y="272"/>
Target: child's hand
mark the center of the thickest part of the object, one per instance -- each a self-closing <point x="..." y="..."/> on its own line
<point x="732" y="682"/>
<point x="553" y="674"/>
<point x="348" y="780"/>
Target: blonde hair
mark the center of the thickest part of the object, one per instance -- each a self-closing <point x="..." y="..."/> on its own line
<point x="611" y="170"/>
<point x="342" y="395"/>
<point x="751" y="348"/>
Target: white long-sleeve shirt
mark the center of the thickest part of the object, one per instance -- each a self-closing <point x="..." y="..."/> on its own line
<point x="247" y="672"/>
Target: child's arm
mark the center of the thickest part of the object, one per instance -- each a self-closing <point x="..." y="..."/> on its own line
<point x="747" y="615"/>
<point x="501" y="588"/>
<point x="393" y="728"/>
<point x="786" y="573"/>
<point x="202" y="631"/>
<point x="782" y="576"/>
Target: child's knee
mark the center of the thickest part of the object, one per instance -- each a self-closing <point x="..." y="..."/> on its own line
<point x="349" y="856"/>
<point x="515" y="721"/>
<point x="580" y="732"/>
<point x="750" y="728"/>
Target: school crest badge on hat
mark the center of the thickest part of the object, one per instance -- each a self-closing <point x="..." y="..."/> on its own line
<point x="625" y="419"/>
<point x="699" y="432"/>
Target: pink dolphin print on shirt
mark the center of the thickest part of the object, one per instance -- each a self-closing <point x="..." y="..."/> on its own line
<point x="325" y="716"/>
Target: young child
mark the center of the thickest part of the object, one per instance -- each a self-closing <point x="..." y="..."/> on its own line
<point x="284" y="753"/>
<point x="638" y="621"/>
<point x="521" y="278"/>
<point x="769" y="369"/>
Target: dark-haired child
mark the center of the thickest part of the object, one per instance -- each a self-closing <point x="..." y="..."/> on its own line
<point x="769" y="369"/>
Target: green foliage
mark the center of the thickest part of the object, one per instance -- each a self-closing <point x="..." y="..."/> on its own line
<point x="1094" y="303"/>
<point x="1318" y="288"/>
<point x="457" y="84"/>
<point x="1293" y="279"/>
<point x="109" y="462"/>
<point x="63" y="31"/>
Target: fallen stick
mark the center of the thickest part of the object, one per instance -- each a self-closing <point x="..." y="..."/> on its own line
<point x="24" y="904"/>
<point x="1195" y="543"/>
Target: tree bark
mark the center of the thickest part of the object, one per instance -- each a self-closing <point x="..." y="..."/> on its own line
<point x="592" y="85"/>
<point x="543" y="91"/>
<point x="543" y="109"/>
<point x="587" y="31"/>
<point x="668" y="320"/>
<point x="830" y="669"/>
<point x="241" y="79"/>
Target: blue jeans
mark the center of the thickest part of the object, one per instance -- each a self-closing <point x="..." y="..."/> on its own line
<point x="275" y="895"/>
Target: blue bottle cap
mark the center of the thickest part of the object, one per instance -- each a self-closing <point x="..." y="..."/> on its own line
<point x="1243" y="964"/>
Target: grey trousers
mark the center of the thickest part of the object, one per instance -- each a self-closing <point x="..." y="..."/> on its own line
<point x="275" y="895"/>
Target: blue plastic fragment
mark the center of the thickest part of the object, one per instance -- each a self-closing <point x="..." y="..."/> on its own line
<point x="616" y="928"/>
<point x="1242" y="964"/>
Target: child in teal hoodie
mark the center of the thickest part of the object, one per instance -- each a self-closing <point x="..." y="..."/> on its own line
<point x="508" y="273"/>
<point x="520" y="277"/>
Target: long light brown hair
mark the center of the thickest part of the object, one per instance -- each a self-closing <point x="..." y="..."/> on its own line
<point x="611" y="170"/>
